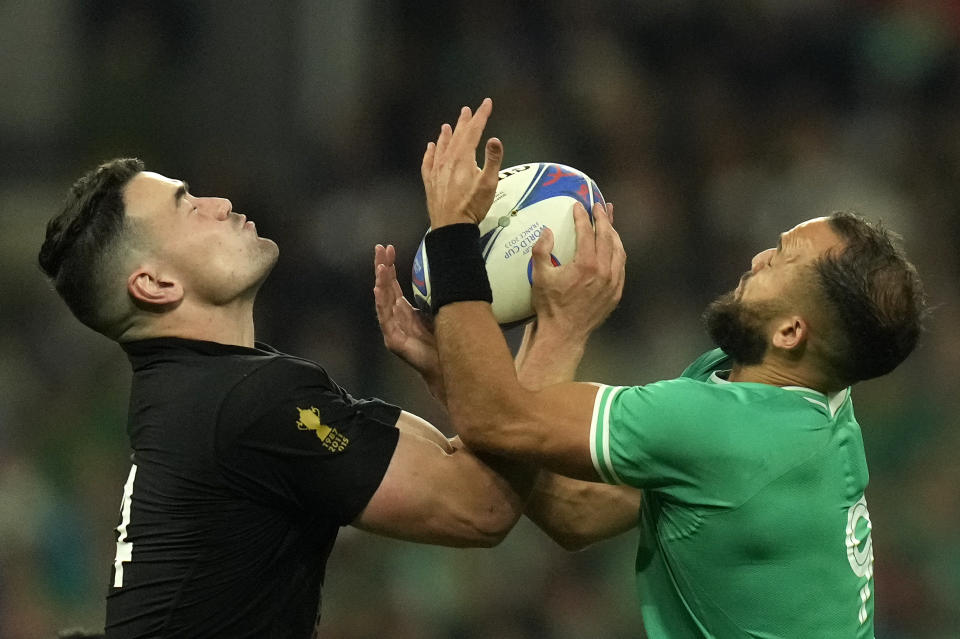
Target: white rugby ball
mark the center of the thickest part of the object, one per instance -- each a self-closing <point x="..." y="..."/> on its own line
<point x="529" y="197"/>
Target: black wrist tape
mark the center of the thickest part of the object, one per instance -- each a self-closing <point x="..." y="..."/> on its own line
<point x="457" y="270"/>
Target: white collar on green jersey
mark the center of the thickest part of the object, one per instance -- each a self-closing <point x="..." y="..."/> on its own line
<point x="830" y="402"/>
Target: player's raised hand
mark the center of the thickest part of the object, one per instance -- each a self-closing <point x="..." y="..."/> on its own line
<point x="574" y="299"/>
<point x="406" y="332"/>
<point x="457" y="189"/>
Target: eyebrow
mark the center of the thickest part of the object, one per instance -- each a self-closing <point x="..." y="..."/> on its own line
<point x="181" y="191"/>
<point x="780" y="243"/>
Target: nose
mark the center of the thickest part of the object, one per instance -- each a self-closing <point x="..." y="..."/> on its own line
<point x="760" y="260"/>
<point x="217" y="207"/>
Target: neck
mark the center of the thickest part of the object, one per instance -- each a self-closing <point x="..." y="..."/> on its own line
<point x="228" y="324"/>
<point x="777" y="373"/>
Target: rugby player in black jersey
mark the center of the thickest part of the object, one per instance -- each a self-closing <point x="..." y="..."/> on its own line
<point x="246" y="461"/>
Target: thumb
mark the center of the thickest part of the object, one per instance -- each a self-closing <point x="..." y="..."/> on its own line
<point x="541" y="254"/>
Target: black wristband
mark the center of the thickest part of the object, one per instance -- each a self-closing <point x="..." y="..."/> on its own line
<point x="458" y="272"/>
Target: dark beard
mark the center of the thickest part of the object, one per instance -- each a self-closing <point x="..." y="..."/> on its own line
<point x="737" y="328"/>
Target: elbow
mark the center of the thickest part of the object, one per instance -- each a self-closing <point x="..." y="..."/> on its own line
<point x="479" y="528"/>
<point x="572" y="542"/>
<point x="487" y="542"/>
<point x="491" y="527"/>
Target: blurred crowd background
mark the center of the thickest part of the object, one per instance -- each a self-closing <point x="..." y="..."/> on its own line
<point x="713" y="126"/>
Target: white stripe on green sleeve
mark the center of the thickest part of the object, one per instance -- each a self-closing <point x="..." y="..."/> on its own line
<point x="600" y="434"/>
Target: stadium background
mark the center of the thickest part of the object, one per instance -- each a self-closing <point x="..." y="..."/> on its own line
<point x="711" y="125"/>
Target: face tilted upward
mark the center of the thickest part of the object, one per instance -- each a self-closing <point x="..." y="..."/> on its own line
<point x="212" y="251"/>
<point x="778" y="284"/>
<point x="774" y="272"/>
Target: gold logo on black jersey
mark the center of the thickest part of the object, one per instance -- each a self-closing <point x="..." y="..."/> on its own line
<point x="332" y="439"/>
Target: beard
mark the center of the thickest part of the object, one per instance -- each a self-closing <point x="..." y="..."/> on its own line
<point x="738" y="328"/>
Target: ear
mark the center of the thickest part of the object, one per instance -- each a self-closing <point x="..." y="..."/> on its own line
<point x="150" y="289"/>
<point x="790" y="333"/>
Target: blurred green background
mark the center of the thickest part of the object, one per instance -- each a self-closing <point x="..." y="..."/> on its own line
<point x="712" y="125"/>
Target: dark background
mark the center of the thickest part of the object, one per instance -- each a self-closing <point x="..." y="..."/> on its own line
<point x="712" y="125"/>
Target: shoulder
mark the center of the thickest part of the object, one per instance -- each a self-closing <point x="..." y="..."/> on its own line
<point x="703" y="433"/>
<point x="294" y="366"/>
<point x="274" y="382"/>
<point x="277" y="375"/>
<point x="289" y="388"/>
<point x="708" y="408"/>
<point x="678" y="393"/>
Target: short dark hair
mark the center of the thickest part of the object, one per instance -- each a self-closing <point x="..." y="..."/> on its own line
<point x="875" y="295"/>
<point x="80" y="239"/>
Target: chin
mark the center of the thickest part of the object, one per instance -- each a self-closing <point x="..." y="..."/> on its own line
<point x="261" y="264"/>
<point x="270" y="249"/>
<point x="271" y="256"/>
<point x="737" y="328"/>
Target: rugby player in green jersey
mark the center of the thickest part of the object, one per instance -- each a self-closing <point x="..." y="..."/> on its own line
<point x="753" y="521"/>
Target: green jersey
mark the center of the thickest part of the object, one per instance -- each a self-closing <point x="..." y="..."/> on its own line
<point x="754" y="522"/>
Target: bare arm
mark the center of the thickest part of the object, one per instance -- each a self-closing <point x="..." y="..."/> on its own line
<point x="494" y="413"/>
<point x="574" y="513"/>
<point x="430" y="496"/>
<point x="491" y="410"/>
<point x="577" y="513"/>
<point x="408" y="334"/>
<point x="529" y="418"/>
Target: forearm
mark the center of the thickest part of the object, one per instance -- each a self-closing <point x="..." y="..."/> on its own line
<point x="547" y="357"/>
<point x="489" y="407"/>
<point x="473" y="352"/>
<point x="577" y="513"/>
<point x="491" y="410"/>
<point x="572" y="512"/>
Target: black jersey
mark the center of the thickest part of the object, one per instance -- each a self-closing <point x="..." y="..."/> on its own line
<point x="246" y="462"/>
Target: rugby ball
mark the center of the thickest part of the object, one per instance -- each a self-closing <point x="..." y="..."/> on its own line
<point x="529" y="197"/>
